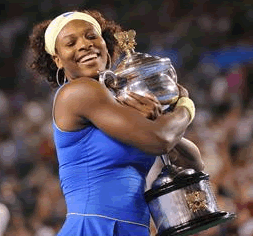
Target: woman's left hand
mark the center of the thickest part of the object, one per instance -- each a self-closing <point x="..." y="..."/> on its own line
<point x="187" y="155"/>
<point x="147" y="105"/>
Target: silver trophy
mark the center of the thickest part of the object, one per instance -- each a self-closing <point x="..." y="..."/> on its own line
<point x="141" y="73"/>
<point x="181" y="201"/>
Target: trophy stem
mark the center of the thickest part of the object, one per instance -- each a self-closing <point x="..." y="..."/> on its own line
<point x="165" y="159"/>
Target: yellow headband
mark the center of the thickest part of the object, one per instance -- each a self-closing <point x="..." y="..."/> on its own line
<point x="59" y="22"/>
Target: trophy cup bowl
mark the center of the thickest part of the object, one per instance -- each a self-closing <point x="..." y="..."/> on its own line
<point x="142" y="74"/>
<point x="180" y="201"/>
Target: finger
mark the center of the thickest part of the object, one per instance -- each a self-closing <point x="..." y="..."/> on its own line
<point x="173" y="155"/>
<point x="142" y="103"/>
<point x="144" y="99"/>
<point x="152" y="97"/>
<point x="159" y="110"/>
<point x="119" y="100"/>
<point x="134" y="104"/>
<point x="137" y="96"/>
<point x="144" y="110"/>
<point x="182" y="91"/>
<point x="149" y="109"/>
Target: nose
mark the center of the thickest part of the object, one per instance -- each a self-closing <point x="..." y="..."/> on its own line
<point x="84" y="44"/>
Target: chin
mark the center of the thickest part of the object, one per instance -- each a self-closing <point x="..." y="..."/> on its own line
<point x="93" y="68"/>
<point x="91" y="71"/>
<point x="94" y="74"/>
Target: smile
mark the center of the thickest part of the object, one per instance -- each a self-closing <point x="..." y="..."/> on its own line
<point x="88" y="58"/>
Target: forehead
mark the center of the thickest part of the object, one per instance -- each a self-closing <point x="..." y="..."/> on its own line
<point x="74" y="27"/>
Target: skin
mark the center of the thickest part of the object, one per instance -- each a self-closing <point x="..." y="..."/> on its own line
<point x="185" y="153"/>
<point x="83" y="53"/>
<point x="77" y="39"/>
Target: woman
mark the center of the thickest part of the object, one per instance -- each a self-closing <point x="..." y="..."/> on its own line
<point x="104" y="147"/>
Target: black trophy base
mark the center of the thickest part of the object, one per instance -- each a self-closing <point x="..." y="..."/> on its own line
<point x="197" y="225"/>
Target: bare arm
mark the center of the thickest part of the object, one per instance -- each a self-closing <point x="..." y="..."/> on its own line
<point x="88" y="98"/>
<point x="185" y="153"/>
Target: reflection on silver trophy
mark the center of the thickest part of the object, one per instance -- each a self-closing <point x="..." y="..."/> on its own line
<point x="181" y="201"/>
<point x="141" y="73"/>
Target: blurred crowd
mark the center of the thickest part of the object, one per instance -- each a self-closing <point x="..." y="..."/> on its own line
<point x="210" y="45"/>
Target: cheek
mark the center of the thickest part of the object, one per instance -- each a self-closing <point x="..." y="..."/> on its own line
<point x="67" y="59"/>
<point x="103" y="49"/>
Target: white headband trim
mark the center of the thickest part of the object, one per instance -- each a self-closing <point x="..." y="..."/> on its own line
<point x="59" y="22"/>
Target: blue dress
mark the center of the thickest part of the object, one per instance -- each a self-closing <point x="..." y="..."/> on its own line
<point x="103" y="182"/>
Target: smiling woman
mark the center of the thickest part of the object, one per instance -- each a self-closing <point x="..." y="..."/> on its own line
<point x="99" y="28"/>
<point x="81" y="50"/>
<point x="105" y="148"/>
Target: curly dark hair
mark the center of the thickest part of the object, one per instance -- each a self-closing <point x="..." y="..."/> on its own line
<point x="42" y="63"/>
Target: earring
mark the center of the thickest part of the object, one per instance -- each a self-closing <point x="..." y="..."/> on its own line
<point x="109" y="63"/>
<point x="65" y="80"/>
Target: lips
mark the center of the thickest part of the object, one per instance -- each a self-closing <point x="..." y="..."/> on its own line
<point x="87" y="58"/>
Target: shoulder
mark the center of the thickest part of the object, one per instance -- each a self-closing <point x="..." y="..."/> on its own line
<point x="83" y="97"/>
<point x="83" y="89"/>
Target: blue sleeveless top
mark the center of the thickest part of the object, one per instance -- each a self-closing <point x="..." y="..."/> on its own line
<point x="100" y="175"/>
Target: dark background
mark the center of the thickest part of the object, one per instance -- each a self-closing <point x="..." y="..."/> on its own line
<point x="210" y="45"/>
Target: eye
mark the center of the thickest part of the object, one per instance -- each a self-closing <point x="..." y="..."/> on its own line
<point x="70" y="43"/>
<point x="91" y="34"/>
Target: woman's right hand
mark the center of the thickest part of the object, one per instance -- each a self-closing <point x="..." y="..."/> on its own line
<point x="147" y="105"/>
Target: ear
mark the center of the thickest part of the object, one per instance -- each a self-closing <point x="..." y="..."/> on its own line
<point x="57" y="61"/>
<point x="109" y="61"/>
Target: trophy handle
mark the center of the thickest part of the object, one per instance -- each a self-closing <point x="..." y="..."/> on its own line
<point x="165" y="159"/>
<point x="108" y="78"/>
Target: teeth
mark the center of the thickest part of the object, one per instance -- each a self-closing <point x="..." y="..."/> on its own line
<point x="88" y="57"/>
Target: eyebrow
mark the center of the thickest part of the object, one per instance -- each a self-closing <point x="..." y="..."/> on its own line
<point x="73" y="34"/>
